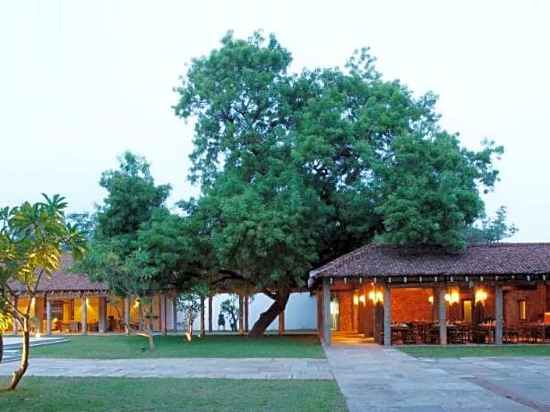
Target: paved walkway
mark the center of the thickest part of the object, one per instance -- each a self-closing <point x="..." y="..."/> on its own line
<point x="376" y="379"/>
<point x="247" y="368"/>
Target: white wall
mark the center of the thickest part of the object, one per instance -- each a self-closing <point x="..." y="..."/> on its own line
<point x="300" y="312"/>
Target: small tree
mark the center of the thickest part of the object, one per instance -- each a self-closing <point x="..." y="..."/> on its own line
<point x="32" y="240"/>
<point x="191" y="303"/>
<point x="229" y="308"/>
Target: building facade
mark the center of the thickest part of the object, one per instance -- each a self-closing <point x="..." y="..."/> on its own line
<point x="497" y="293"/>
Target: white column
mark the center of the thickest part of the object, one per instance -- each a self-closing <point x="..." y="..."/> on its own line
<point x="209" y="314"/>
<point x="442" y="316"/>
<point x="127" y="315"/>
<point x="48" y="316"/>
<point x="102" y="314"/>
<point x="387" y="315"/>
<point x="326" y="312"/>
<point x="84" y="315"/>
<point x="499" y="314"/>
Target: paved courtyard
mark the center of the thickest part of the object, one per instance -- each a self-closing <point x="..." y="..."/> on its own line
<point x="376" y="379"/>
<point x="244" y="368"/>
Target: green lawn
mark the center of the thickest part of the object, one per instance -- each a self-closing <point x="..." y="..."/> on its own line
<point x="158" y="394"/>
<point x="476" y="351"/>
<point x="124" y="347"/>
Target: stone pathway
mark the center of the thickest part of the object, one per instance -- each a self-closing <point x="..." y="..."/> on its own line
<point x="243" y="368"/>
<point x="376" y="379"/>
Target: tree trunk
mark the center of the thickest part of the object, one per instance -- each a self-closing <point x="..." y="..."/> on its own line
<point x="24" y="364"/>
<point x="269" y="315"/>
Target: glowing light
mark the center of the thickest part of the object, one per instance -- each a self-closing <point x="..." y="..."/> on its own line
<point x="362" y="299"/>
<point x="431" y="300"/>
<point x="355" y="300"/>
<point x="376" y="296"/>
<point x="481" y="295"/>
<point x="334" y="309"/>
<point x="452" y="297"/>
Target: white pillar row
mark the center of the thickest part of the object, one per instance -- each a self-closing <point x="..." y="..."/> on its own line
<point x="442" y="316"/>
<point x="387" y="315"/>
<point x="499" y="314"/>
<point x="48" y="316"/>
<point x="326" y="312"/>
<point x="84" y="315"/>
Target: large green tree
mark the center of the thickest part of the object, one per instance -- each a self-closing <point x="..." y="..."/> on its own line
<point x="124" y="251"/>
<point x="297" y="169"/>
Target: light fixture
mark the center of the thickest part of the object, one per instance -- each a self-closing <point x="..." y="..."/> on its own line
<point x="355" y="300"/>
<point x="376" y="296"/>
<point x="452" y="297"/>
<point x="431" y="300"/>
<point x="480" y="295"/>
<point x="362" y="299"/>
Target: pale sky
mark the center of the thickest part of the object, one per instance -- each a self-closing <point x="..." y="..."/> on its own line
<point x="82" y="81"/>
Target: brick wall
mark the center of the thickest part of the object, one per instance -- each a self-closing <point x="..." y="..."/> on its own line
<point x="345" y="317"/>
<point x="536" y="304"/>
<point x="411" y="304"/>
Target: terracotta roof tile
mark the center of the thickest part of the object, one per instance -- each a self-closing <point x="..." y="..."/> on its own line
<point x="486" y="259"/>
<point x="65" y="281"/>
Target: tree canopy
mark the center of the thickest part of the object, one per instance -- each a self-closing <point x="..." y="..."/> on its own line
<point x="299" y="168"/>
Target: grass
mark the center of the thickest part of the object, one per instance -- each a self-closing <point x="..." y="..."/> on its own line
<point x="476" y="351"/>
<point x="129" y="347"/>
<point x="160" y="394"/>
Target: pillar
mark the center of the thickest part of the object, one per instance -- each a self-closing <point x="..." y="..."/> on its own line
<point x="48" y="316"/>
<point x="102" y="327"/>
<point x="435" y="304"/>
<point x="175" y="312"/>
<point x="499" y="314"/>
<point x="246" y="308"/>
<point x="326" y="312"/>
<point x="162" y="314"/>
<point x="209" y="314"/>
<point x="442" y="316"/>
<point x="84" y="315"/>
<point x="282" y="322"/>
<point x="387" y="315"/>
<point x="241" y="324"/>
<point x="202" y="332"/>
<point x="127" y="315"/>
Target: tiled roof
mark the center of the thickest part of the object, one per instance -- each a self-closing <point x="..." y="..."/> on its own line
<point x="65" y="281"/>
<point x="486" y="259"/>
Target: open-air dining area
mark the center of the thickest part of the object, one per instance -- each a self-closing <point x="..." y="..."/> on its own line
<point x="70" y="303"/>
<point x="488" y="294"/>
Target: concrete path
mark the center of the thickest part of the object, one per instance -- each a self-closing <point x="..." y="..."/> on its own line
<point x="376" y="379"/>
<point x="244" y="368"/>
